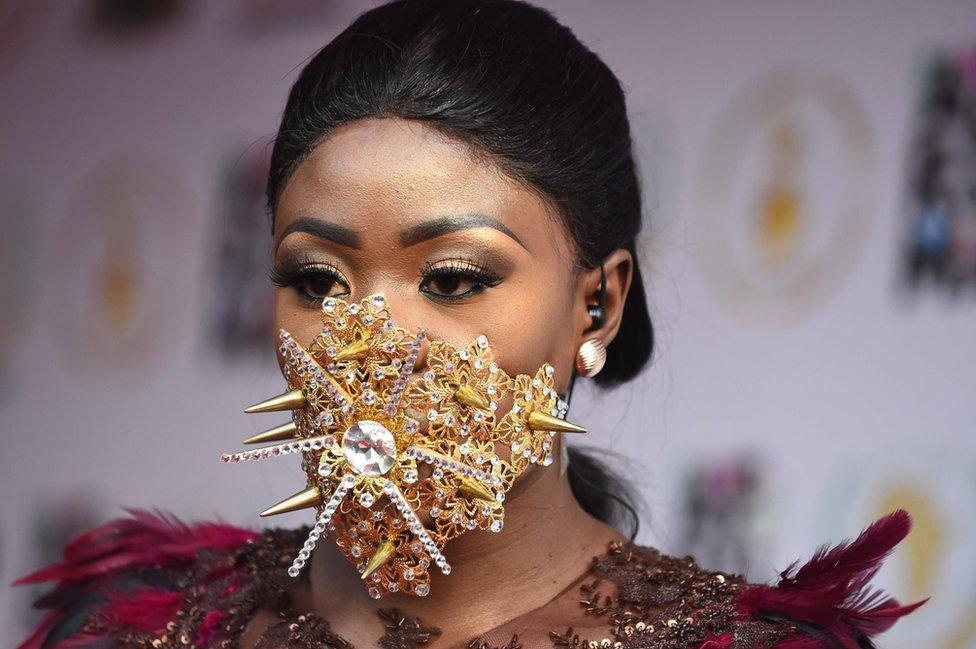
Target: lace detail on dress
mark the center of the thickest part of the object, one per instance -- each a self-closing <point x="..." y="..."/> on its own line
<point x="306" y="632"/>
<point x="664" y="602"/>
<point x="404" y="632"/>
<point x="478" y="643"/>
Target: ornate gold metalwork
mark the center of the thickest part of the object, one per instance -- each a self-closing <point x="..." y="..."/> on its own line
<point x="397" y="465"/>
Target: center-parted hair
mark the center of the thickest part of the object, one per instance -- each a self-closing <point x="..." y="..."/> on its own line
<point x="510" y="81"/>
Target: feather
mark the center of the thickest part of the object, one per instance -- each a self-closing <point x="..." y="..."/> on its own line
<point x="209" y="630"/>
<point x="36" y="639"/>
<point x="46" y="632"/>
<point x="89" y="582"/>
<point x="831" y="589"/>
<point x="144" y="539"/>
<point x="147" y="609"/>
<point x="86" y="641"/>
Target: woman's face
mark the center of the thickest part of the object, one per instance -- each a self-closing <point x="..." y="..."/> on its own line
<point x="459" y="249"/>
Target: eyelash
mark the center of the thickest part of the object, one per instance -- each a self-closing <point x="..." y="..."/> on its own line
<point x="464" y="269"/>
<point x="294" y="275"/>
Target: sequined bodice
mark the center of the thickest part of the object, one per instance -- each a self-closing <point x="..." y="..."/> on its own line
<point x="631" y="596"/>
<point x="152" y="581"/>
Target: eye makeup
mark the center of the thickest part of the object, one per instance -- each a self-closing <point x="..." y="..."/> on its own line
<point x="451" y="276"/>
<point x="311" y="280"/>
<point x="457" y="278"/>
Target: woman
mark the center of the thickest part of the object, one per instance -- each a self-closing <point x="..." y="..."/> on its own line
<point x="448" y="174"/>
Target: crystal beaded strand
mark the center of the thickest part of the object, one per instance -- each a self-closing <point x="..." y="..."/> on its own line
<point x="320" y="524"/>
<point x="405" y="371"/>
<point x="416" y="526"/>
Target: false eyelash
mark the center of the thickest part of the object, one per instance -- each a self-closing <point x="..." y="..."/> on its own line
<point x="459" y="268"/>
<point x="280" y="277"/>
<point x="289" y="273"/>
<point x="465" y="267"/>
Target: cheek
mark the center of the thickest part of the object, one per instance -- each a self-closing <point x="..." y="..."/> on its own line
<point x="302" y="322"/>
<point x="533" y="324"/>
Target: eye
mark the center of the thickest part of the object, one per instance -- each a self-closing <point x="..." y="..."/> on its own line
<point x="311" y="283"/>
<point x="317" y="285"/>
<point x="456" y="279"/>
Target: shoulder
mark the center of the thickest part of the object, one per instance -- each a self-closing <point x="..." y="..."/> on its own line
<point x="827" y="602"/>
<point x="149" y="579"/>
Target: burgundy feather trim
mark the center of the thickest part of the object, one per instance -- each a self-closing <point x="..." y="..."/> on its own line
<point x="87" y="641"/>
<point x="146" y="538"/>
<point x="148" y="610"/>
<point x="832" y="589"/>
<point x="36" y="639"/>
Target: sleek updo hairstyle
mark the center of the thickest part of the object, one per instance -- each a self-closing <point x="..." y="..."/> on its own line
<point x="505" y="78"/>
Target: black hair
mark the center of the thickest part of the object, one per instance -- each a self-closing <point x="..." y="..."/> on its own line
<point x="506" y="78"/>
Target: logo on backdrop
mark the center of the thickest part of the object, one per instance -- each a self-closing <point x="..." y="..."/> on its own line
<point x="721" y="510"/>
<point x="239" y="316"/>
<point x="127" y="19"/>
<point x="937" y="485"/>
<point x="780" y="201"/>
<point x="941" y="202"/>
<point x="118" y="272"/>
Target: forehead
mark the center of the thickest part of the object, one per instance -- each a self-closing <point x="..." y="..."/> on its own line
<point x="391" y="169"/>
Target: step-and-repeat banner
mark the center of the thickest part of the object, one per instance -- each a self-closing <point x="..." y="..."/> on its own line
<point x="810" y="184"/>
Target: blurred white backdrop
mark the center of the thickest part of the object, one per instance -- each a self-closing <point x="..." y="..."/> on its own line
<point x="799" y="389"/>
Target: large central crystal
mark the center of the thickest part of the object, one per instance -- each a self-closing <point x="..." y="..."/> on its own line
<point x="369" y="447"/>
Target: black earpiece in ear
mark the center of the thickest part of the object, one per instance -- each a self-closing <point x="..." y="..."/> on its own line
<point x="598" y="312"/>
<point x="599" y="315"/>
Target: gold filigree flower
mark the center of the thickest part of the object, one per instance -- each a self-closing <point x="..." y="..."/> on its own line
<point x="460" y="389"/>
<point x="534" y="419"/>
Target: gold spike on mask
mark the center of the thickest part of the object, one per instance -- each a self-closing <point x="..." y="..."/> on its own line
<point x="352" y="351"/>
<point x="384" y="552"/>
<point x="539" y="420"/>
<point x="474" y="489"/>
<point x="303" y="499"/>
<point x="293" y="400"/>
<point x="470" y="397"/>
<point x="276" y="434"/>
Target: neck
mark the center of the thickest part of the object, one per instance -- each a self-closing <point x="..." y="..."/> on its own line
<point x="545" y="545"/>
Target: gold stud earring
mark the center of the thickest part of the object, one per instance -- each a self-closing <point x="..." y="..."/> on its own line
<point x="591" y="356"/>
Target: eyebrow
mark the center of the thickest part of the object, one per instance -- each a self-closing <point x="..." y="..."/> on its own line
<point x="323" y="230"/>
<point x="454" y="223"/>
<point x="434" y="228"/>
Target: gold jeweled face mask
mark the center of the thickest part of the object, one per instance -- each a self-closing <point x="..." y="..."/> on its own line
<point x="373" y="469"/>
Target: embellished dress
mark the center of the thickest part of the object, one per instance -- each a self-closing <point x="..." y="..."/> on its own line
<point x="150" y="580"/>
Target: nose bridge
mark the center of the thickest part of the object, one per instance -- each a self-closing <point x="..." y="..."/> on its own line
<point x="408" y="309"/>
<point x="411" y="311"/>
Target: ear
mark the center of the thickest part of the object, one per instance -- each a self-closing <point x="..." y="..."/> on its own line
<point x="619" y="269"/>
